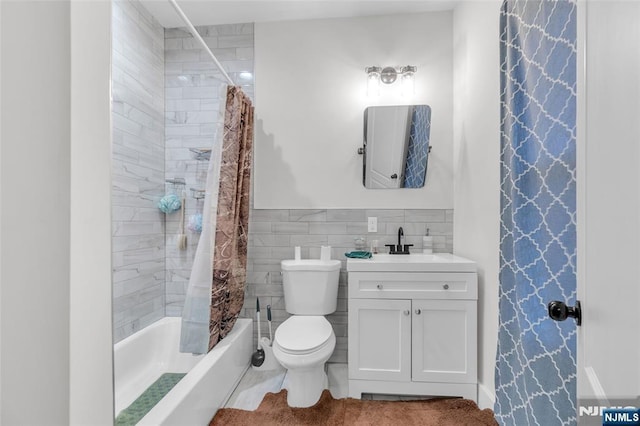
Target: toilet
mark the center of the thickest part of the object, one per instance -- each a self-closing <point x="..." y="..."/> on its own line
<point x="305" y="341"/>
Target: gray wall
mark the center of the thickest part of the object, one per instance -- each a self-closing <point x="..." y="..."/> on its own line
<point x="274" y="233"/>
<point x="138" y="168"/>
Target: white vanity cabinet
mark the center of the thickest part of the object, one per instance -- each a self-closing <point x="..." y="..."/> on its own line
<point x="412" y="326"/>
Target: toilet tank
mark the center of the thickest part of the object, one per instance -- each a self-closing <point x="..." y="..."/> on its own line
<point x="310" y="286"/>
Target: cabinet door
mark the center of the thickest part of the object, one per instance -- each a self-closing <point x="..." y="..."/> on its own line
<point x="444" y="341"/>
<point x="380" y="339"/>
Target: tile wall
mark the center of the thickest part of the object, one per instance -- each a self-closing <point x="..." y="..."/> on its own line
<point x="273" y="234"/>
<point x="193" y="102"/>
<point x="138" y="168"/>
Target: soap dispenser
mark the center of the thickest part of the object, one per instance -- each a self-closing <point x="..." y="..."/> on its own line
<point x="427" y="243"/>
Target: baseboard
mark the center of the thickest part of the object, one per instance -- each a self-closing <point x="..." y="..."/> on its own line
<point x="486" y="397"/>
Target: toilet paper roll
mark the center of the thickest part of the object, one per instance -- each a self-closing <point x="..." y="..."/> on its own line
<point x="325" y="253"/>
<point x="298" y="256"/>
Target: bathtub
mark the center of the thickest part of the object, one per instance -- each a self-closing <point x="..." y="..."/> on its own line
<point x="140" y="359"/>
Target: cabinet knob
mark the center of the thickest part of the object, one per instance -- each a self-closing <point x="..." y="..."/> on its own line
<point x="446" y="286"/>
<point x="418" y="311"/>
<point x="407" y="312"/>
<point x="379" y="286"/>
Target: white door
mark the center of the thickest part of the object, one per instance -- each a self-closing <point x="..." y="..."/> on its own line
<point x="380" y="339"/>
<point x="444" y="341"/>
<point x="608" y="173"/>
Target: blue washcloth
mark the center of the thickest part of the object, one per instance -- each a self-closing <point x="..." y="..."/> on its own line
<point x="359" y="254"/>
<point x="170" y="203"/>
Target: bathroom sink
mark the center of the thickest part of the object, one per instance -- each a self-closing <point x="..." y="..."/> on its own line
<point x="415" y="262"/>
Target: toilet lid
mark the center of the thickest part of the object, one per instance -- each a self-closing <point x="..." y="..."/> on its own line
<point x="303" y="334"/>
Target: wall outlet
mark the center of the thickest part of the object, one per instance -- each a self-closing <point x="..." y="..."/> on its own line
<point x="372" y="224"/>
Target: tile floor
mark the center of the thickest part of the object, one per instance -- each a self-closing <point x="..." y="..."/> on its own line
<point x="255" y="384"/>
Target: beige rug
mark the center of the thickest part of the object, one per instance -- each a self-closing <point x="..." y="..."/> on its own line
<point x="273" y="410"/>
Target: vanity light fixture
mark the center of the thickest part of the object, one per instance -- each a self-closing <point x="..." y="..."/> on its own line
<point x="373" y="80"/>
<point x="389" y="75"/>
<point x="408" y="80"/>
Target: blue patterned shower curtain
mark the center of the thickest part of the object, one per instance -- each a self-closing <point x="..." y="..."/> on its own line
<point x="415" y="172"/>
<point x="536" y="357"/>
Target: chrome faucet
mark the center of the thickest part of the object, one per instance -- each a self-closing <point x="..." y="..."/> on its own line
<point x="400" y="248"/>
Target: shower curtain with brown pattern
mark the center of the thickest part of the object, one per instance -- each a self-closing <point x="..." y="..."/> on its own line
<point x="230" y="249"/>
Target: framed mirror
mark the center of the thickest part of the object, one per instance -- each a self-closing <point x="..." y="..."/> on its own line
<point x="396" y="146"/>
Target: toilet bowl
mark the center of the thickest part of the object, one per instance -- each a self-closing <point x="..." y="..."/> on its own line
<point x="303" y="344"/>
<point x="305" y="341"/>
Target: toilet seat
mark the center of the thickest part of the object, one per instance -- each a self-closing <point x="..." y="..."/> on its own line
<point x="303" y="334"/>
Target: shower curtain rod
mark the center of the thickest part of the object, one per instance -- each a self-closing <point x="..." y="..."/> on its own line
<point x="197" y="36"/>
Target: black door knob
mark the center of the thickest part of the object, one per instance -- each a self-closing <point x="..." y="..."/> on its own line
<point x="394" y="176"/>
<point x="559" y="311"/>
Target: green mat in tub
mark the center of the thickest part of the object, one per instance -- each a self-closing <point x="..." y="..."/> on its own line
<point x="149" y="398"/>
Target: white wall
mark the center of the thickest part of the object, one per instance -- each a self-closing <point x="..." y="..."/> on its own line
<point x="90" y="354"/>
<point x="608" y="245"/>
<point x="477" y="168"/>
<point x="310" y="99"/>
<point x="0" y="217"/>
<point x="35" y="223"/>
<point x="55" y="310"/>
